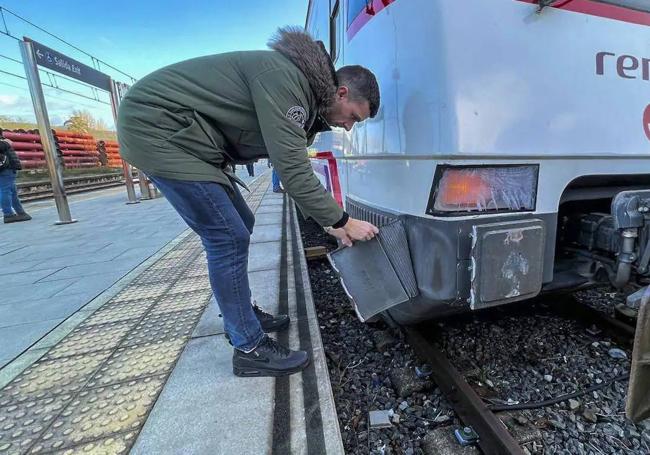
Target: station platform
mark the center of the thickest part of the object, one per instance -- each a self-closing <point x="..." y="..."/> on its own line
<point x="145" y="367"/>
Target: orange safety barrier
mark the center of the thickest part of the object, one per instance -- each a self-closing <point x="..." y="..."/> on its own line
<point x="25" y="156"/>
<point x="21" y="137"/>
<point x="32" y="164"/>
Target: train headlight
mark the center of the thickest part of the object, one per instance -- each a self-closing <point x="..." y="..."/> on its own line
<point x="483" y="189"/>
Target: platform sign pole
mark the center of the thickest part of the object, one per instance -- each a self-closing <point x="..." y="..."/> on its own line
<point x="47" y="138"/>
<point x="126" y="167"/>
<point x="145" y="190"/>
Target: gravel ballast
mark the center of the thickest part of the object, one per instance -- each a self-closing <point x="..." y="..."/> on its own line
<point x="507" y="356"/>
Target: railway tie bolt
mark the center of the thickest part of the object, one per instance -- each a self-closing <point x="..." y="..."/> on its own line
<point x="466" y="436"/>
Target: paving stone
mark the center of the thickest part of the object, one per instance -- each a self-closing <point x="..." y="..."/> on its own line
<point x="17" y="338"/>
<point x="101" y="412"/>
<point x="98" y="268"/>
<point x="134" y="362"/>
<point x="91" y="338"/>
<point x="52" y="377"/>
<point x="22" y="424"/>
<point x="182" y="301"/>
<point x="97" y="283"/>
<point x="270" y="208"/>
<point x="268" y="218"/>
<point x="164" y="326"/>
<point x="21" y="293"/>
<point x="263" y="256"/>
<point x="29" y="277"/>
<point x="41" y="310"/>
<point x="210" y="323"/>
<point x="265" y="287"/>
<point x="203" y="379"/>
<point x="267" y="233"/>
<point x="120" y="311"/>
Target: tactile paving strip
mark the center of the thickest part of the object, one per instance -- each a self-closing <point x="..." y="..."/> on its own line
<point x="151" y="276"/>
<point x="190" y="284"/>
<point x="90" y="338"/>
<point x="101" y="412"/>
<point x="137" y="361"/>
<point x="141" y="291"/>
<point x="120" y="311"/>
<point x="181" y="302"/>
<point x="51" y="377"/>
<point x="114" y="445"/>
<point x="91" y="392"/>
<point x="164" y="326"/>
<point x="21" y="425"/>
<point x="197" y="270"/>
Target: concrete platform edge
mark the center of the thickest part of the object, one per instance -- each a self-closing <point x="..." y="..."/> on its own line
<point x="328" y="406"/>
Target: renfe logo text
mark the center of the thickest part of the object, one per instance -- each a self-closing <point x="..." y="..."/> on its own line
<point x="626" y="66"/>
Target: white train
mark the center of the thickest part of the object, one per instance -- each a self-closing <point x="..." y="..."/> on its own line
<point x="512" y="146"/>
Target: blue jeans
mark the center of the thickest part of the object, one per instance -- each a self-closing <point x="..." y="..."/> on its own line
<point x="276" y="180"/>
<point x="225" y="223"/>
<point x="8" y="193"/>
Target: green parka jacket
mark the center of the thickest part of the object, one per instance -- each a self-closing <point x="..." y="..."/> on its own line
<point x="190" y="120"/>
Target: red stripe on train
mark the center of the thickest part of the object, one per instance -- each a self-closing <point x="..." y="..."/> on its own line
<point x="365" y="15"/>
<point x="590" y="7"/>
<point x="598" y="9"/>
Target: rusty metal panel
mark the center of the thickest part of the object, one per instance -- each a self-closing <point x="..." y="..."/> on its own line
<point x="507" y="262"/>
<point x="638" y="397"/>
<point x="368" y="278"/>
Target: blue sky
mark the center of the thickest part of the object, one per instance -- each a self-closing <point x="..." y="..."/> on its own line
<point x="135" y="36"/>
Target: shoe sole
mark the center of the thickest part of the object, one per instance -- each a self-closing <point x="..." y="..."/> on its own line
<point x="279" y="328"/>
<point x="249" y="372"/>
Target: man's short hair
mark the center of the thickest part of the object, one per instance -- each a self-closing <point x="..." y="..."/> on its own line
<point x="362" y="85"/>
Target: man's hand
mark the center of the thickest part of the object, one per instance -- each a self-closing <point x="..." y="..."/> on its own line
<point x="354" y="230"/>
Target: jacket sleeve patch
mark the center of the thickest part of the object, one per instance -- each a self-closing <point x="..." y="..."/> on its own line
<point x="298" y="115"/>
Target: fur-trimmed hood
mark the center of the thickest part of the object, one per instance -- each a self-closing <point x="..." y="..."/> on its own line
<point x="311" y="58"/>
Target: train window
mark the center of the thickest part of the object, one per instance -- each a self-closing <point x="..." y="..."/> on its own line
<point x="354" y="8"/>
<point x="334" y="18"/>
<point x="639" y="5"/>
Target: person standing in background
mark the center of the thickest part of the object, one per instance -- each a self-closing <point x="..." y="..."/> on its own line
<point x="12" y="209"/>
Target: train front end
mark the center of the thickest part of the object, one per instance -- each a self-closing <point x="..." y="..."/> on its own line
<point x="512" y="149"/>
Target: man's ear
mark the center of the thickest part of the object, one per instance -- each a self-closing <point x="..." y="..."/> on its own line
<point x="342" y="91"/>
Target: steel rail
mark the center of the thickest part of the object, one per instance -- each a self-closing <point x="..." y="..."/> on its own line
<point x="494" y="437"/>
<point x="622" y="332"/>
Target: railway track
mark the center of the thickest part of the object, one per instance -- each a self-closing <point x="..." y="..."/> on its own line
<point x="483" y="418"/>
<point x="42" y="189"/>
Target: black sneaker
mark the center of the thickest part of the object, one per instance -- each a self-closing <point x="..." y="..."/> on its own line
<point x="269" y="322"/>
<point x="268" y="359"/>
<point x="23" y="217"/>
<point x="12" y="218"/>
